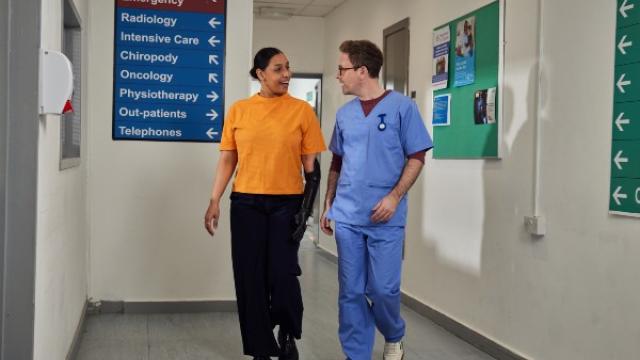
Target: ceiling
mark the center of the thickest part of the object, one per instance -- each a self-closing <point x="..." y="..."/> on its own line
<point x="285" y="8"/>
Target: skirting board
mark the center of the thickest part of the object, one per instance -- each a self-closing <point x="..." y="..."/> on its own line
<point x="460" y="330"/>
<point x="456" y="328"/>
<point x="75" y="344"/>
<point x="161" y="307"/>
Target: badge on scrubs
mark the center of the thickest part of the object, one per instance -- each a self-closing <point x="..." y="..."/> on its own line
<point x="382" y="126"/>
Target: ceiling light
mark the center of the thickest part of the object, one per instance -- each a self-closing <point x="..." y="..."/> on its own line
<point x="277" y="13"/>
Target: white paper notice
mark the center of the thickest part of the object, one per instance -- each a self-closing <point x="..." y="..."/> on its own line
<point x="491" y="106"/>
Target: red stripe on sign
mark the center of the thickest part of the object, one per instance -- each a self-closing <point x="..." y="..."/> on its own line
<point x="201" y="6"/>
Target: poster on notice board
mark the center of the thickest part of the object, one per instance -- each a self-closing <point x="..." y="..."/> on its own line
<point x="465" y="52"/>
<point x="440" y="74"/>
<point x="441" y="110"/>
<point x="484" y="106"/>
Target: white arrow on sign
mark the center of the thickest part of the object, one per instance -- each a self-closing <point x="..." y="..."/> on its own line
<point x="619" y="160"/>
<point x="622" y="83"/>
<point x="617" y="196"/>
<point x="623" y="44"/>
<point x="213" y="41"/>
<point x="213" y="22"/>
<point x="211" y="133"/>
<point x="213" y="96"/>
<point x="212" y="114"/>
<point x="213" y="59"/>
<point x="621" y="121"/>
<point x="625" y="7"/>
<point x="214" y="1"/>
<point x="213" y="78"/>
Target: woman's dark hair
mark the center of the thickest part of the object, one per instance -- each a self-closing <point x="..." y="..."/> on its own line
<point x="262" y="58"/>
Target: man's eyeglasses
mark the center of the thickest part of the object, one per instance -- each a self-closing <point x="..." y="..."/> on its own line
<point x="341" y="69"/>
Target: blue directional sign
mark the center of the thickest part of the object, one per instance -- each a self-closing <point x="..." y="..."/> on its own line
<point x="169" y="70"/>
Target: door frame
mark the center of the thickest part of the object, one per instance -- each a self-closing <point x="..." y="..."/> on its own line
<point x="393" y="29"/>
<point x="316" y="206"/>
<point x="18" y="193"/>
<point x="400" y="25"/>
<point x="4" y="52"/>
<point x="316" y="76"/>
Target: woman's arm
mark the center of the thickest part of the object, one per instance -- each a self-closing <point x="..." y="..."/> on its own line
<point x="312" y="180"/>
<point x="224" y="171"/>
<point x="307" y="162"/>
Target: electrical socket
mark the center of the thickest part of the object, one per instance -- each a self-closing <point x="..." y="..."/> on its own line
<point x="535" y="225"/>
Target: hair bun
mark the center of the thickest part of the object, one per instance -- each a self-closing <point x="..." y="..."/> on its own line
<point x="261" y="60"/>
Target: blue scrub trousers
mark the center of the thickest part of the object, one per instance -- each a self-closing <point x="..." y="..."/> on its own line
<point x="369" y="271"/>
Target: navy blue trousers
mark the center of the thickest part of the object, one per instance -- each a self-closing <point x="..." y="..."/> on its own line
<point x="265" y="269"/>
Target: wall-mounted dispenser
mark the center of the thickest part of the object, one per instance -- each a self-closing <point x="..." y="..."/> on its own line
<point x="56" y="82"/>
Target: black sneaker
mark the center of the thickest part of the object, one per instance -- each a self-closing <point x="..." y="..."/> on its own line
<point x="261" y="358"/>
<point x="288" y="349"/>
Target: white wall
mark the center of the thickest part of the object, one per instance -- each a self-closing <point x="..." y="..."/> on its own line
<point x="300" y="38"/>
<point x="147" y="199"/>
<point x="61" y="241"/>
<point x="572" y="294"/>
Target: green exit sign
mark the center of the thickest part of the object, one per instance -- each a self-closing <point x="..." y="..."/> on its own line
<point x="625" y="122"/>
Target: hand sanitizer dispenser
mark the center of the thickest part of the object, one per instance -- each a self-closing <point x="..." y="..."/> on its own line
<point x="56" y="82"/>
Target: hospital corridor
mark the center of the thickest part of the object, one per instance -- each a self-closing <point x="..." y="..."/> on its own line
<point x="215" y="335"/>
<point x="319" y="179"/>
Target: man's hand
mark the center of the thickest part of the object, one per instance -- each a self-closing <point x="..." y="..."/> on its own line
<point x="385" y="208"/>
<point x="325" y="223"/>
<point x="211" y="217"/>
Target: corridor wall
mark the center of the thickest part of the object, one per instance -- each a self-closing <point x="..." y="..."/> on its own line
<point x="147" y="199"/>
<point x="300" y="37"/>
<point x="61" y="233"/>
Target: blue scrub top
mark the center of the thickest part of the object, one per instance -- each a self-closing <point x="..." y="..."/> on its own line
<point x="374" y="150"/>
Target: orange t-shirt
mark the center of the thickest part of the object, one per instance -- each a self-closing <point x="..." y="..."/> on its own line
<point x="270" y="135"/>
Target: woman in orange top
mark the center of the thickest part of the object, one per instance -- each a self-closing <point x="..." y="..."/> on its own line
<point x="268" y="138"/>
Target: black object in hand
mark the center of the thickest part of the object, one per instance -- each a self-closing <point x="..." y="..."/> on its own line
<point x="312" y="182"/>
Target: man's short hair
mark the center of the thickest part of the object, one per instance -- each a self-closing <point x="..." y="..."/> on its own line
<point x="364" y="53"/>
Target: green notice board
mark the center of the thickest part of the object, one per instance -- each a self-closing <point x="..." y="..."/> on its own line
<point x="624" y="189"/>
<point x="463" y="138"/>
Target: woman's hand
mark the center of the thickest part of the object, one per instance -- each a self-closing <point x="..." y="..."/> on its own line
<point x="211" y="217"/>
<point x="226" y="165"/>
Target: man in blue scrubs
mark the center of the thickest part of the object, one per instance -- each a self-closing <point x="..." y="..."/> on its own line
<point x="379" y="144"/>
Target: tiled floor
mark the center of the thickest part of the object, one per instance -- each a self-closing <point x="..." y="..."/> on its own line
<point x="217" y="335"/>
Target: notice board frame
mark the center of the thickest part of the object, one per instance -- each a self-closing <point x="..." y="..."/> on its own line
<point x="463" y="139"/>
<point x="222" y="96"/>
